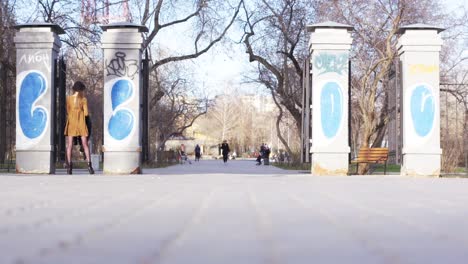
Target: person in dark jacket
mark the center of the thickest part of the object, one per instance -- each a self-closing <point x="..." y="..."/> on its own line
<point x="225" y="150"/>
<point x="260" y="154"/>
<point x="197" y="153"/>
<point x="266" y="155"/>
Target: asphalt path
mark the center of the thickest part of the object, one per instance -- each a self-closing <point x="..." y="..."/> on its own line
<point x="210" y="212"/>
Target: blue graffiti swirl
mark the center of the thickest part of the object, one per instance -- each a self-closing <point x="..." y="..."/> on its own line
<point x="121" y="122"/>
<point x="422" y="110"/>
<point x="33" y="120"/>
<point x="331" y="108"/>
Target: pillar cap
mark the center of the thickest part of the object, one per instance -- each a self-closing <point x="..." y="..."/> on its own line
<point x="328" y="24"/>
<point x="419" y="26"/>
<point x="55" y="28"/>
<point x="141" y="28"/>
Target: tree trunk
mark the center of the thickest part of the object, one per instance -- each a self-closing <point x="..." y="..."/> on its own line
<point x="364" y="168"/>
<point x="278" y="122"/>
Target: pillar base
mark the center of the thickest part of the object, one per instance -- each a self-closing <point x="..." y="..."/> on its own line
<point x="330" y="164"/>
<point x="35" y="162"/>
<point x="122" y="162"/>
<point x="421" y="165"/>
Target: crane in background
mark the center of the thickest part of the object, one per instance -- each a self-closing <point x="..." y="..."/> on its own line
<point x="98" y="11"/>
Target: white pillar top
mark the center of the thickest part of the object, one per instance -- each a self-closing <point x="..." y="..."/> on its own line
<point x="39" y="27"/>
<point x="122" y="35"/>
<point x="124" y="25"/>
<point x="329" y="24"/>
<point x="402" y="29"/>
<point x="330" y="36"/>
<point x="38" y="36"/>
<point x="419" y="37"/>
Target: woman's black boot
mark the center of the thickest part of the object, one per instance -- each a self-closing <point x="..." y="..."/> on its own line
<point x="90" y="168"/>
<point x="69" y="168"/>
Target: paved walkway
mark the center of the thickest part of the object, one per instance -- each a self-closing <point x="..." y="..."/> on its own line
<point x="236" y="213"/>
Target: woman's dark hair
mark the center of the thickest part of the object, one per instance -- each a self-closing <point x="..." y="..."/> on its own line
<point x="78" y="86"/>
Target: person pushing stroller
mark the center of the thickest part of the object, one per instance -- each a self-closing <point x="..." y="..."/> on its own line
<point x="183" y="155"/>
<point x="265" y="154"/>
<point x="260" y="154"/>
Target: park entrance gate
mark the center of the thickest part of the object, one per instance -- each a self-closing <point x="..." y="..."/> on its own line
<point x="416" y="109"/>
<point x="41" y="93"/>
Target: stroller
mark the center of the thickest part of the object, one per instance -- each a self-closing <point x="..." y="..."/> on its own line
<point x="184" y="158"/>
<point x="259" y="159"/>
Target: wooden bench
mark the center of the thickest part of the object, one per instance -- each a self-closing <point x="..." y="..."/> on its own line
<point x="372" y="155"/>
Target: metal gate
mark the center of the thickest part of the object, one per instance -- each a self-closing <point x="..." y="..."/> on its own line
<point x="306" y="133"/>
<point x="144" y="109"/>
<point x="60" y="78"/>
<point x="454" y="127"/>
<point x="394" y="125"/>
<point x="7" y="117"/>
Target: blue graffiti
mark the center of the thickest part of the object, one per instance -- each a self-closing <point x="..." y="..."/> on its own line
<point x="327" y="62"/>
<point x="32" y="119"/>
<point x="422" y="110"/>
<point x="121" y="122"/>
<point x="331" y="108"/>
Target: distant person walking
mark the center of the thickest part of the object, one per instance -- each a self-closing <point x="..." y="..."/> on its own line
<point x="266" y="155"/>
<point x="197" y="153"/>
<point x="225" y="150"/>
<point x="77" y="112"/>
<point x="261" y="154"/>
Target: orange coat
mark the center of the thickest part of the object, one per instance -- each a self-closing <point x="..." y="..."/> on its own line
<point x="77" y="110"/>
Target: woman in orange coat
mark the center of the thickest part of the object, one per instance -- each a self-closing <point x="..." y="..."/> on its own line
<point x="77" y="111"/>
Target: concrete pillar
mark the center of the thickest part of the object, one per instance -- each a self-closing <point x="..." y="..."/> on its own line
<point x="329" y="45"/>
<point x="419" y="48"/>
<point x="37" y="47"/>
<point x="122" y="45"/>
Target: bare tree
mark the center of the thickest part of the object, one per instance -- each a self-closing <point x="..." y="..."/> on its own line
<point x="206" y="19"/>
<point x="81" y="33"/>
<point x="224" y="116"/>
<point x="175" y="105"/>
<point x="275" y="39"/>
<point x="248" y="120"/>
<point x="209" y="22"/>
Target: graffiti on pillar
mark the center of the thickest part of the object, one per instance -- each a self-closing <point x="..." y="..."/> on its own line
<point x="33" y="118"/>
<point x="122" y="121"/>
<point x="423" y="68"/>
<point x="38" y="57"/>
<point x="331" y="108"/>
<point x="121" y="67"/>
<point x="422" y="107"/>
<point x="331" y="62"/>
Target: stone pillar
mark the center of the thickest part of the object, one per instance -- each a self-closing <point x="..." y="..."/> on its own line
<point x="329" y="45"/>
<point x="122" y="45"/>
<point x="419" y="48"/>
<point x="37" y="47"/>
